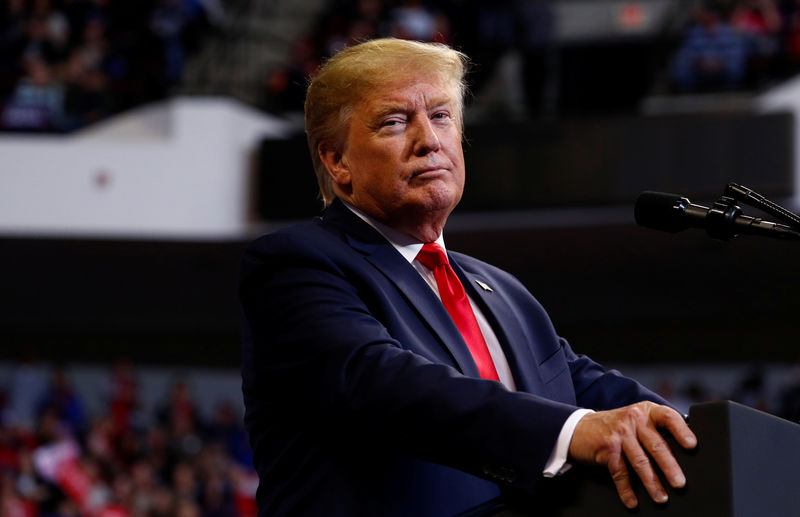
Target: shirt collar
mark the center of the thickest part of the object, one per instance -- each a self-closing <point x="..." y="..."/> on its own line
<point x="407" y="246"/>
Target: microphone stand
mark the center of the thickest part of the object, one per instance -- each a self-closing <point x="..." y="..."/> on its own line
<point x="725" y="210"/>
<point x="754" y="199"/>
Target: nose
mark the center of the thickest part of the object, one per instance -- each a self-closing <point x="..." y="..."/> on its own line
<point x="425" y="139"/>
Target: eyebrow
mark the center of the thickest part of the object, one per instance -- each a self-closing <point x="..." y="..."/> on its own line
<point x="402" y="107"/>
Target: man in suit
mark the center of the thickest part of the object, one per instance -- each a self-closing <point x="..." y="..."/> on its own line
<point x="385" y="376"/>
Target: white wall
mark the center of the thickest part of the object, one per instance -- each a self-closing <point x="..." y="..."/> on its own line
<point x="786" y="97"/>
<point x="177" y="169"/>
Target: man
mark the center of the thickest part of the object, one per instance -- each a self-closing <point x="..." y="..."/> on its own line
<point x="369" y="388"/>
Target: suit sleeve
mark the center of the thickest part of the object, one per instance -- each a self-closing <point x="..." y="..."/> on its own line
<point x="321" y="360"/>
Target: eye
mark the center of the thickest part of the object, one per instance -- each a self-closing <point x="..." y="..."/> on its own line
<point x="392" y="123"/>
<point x="392" y="120"/>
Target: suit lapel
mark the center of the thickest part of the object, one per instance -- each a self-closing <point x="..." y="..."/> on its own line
<point x="379" y="252"/>
<point x="505" y="326"/>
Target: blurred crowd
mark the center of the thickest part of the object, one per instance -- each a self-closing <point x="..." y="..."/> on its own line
<point x="57" y="460"/>
<point x="732" y="44"/>
<point x="725" y="45"/>
<point x="67" y="63"/>
<point x="485" y="31"/>
<point x="772" y="390"/>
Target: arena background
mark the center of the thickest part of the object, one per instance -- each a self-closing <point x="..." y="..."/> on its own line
<point x="127" y="199"/>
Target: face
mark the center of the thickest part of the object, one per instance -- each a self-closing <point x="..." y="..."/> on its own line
<point x="402" y="161"/>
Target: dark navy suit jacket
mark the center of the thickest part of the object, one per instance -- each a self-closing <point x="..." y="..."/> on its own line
<point x="361" y="396"/>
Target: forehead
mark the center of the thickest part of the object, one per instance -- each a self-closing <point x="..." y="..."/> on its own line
<point x="407" y="94"/>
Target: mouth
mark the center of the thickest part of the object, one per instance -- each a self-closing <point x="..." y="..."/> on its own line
<point x="429" y="171"/>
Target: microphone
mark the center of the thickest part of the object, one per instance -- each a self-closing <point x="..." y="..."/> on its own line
<point x="724" y="220"/>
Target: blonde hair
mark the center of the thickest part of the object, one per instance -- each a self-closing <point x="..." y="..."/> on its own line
<point x="353" y="73"/>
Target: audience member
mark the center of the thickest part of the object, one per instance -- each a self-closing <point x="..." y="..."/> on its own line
<point x="760" y="22"/>
<point x="713" y="54"/>
<point x="61" y="399"/>
<point x="412" y="19"/>
<point x="790" y="15"/>
<point x="37" y="103"/>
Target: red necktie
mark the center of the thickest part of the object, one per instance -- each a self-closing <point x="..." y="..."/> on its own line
<point x="455" y="301"/>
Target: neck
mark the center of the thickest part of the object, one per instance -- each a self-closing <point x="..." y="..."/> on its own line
<point x="426" y="230"/>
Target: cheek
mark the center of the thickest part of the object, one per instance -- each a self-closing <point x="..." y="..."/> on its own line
<point x="459" y="172"/>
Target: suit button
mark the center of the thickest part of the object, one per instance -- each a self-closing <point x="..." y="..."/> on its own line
<point x="504" y="474"/>
<point x="508" y="475"/>
<point x="490" y="472"/>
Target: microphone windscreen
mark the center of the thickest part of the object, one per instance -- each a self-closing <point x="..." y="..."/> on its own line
<point x="661" y="211"/>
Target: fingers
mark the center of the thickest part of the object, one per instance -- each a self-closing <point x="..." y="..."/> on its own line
<point x="676" y="425"/>
<point x="622" y="481"/>
<point x="640" y="462"/>
<point x="631" y="433"/>
<point x="633" y="447"/>
<point x="659" y="450"/>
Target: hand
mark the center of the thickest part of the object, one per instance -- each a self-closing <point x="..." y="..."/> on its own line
<point x="608" y="437"/>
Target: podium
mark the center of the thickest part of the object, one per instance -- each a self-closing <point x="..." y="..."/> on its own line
<point x="746" y="464"/>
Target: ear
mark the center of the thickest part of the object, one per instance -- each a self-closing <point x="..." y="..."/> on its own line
<point x="335" y="163"/>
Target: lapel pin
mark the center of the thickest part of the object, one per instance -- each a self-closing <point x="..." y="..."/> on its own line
<point x="484" y="286"/>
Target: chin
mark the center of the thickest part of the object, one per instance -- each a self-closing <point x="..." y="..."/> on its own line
<point x="441" y="197"/>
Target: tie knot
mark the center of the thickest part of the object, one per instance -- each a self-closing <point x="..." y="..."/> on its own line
<point x="432" y="256"/>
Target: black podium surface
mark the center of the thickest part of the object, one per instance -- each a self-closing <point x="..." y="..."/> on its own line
<point x="746" y="464"/>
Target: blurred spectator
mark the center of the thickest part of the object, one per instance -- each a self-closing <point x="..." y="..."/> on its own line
<point x="760" y="22"/>
<point x="751" y="390"/>
<point x="285" y="88"/>
<point x="412" y="19"/>
<point x="227" y="431"/>
<point x="791" y="35"/>
<point x="124" y="392"/>
<point x="9" y="452"/>
<point x="11" y="504"/>
<point x="184" y="482"/>
<point x="526" y="29"/>
<point x="683" y="399"/>
<point x="63" y="402"/>
<point x="179" y="413"/>
<point x="13" y="19"/>
<point x="28" y="484"/>
<point x="87" y="97"/>
<point x="168" y="22"/>
<point x="187" y="508"/>
<point x="37" y="103"/>
<point x="43" y="42"/>
<point x="713" y="54"/>
<point x="163" y="502"/>
<point x="24" y="386"/>
<point x="144" y="485"/>
<point x="790" y="396"/>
